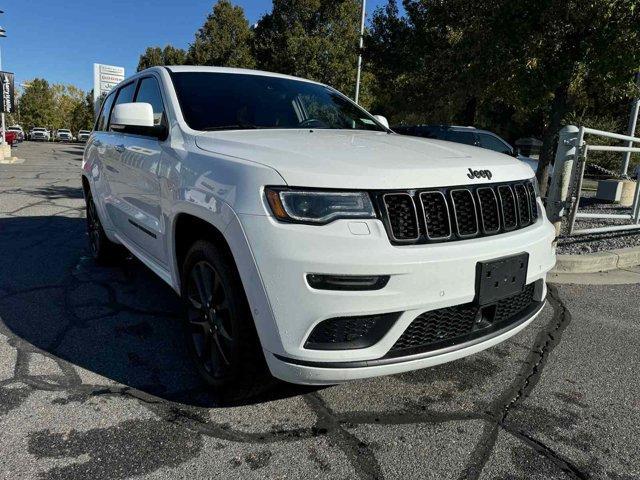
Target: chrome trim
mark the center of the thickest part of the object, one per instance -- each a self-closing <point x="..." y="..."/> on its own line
<point x="497" y="210"/>
<point x="424" y="214"/>
<point x="455" y="213"/>
<point x="527" y="201"/>
<point x="415" y="212"/>
<point x="515" y="207"/>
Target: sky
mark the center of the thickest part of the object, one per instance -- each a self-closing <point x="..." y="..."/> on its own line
<point x="61" y="40"/>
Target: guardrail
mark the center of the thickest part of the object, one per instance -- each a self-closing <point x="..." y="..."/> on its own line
<point x="567" y="181"/>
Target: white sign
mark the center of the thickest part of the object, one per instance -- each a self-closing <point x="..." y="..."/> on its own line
<point x="105" y="77"/>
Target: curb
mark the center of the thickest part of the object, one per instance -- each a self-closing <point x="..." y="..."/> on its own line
<point x="598" y="262"/>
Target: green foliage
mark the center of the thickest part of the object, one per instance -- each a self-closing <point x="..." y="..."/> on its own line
<point x="224" y="40"/>
<point x="315" y="39"/>
<point x="55" y="106"/>
<point x="154" y="56"/>
<point x="37" y="104"/>
<point x="518" y="67"/>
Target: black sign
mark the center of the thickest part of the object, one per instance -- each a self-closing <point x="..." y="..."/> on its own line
<point x="8" y="95"/>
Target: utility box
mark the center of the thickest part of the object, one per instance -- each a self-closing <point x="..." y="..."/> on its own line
<point x="609" y="190"/>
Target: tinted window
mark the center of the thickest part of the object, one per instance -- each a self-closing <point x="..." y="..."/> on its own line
<point x="103" y="118"/>
<point x="149" y="92"/>
<point x="468" y="138"/>
<point x="223" y="101"/>
<point x="493" y="143"/>
<point x="125" y="94"/>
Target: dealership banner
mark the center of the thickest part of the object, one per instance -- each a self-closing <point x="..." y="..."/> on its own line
<point x="8" y="93"/>
<point x="105" y="77"/>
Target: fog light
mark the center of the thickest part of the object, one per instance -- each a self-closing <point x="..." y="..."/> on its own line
<point x="347" y="282"/>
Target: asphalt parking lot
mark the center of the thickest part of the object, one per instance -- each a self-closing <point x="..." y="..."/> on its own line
<point x="95" y="381"/>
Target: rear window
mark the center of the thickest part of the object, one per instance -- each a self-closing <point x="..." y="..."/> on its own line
<point x="468" y="138"/>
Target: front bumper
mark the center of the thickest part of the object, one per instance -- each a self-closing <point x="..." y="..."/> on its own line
<point x="422" y="278"/>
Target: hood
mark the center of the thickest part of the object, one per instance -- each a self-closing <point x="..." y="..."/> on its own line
<point x="363" y="160"/>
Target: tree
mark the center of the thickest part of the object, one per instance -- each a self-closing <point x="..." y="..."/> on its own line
<point x="154" y="56"/>
<point x="37" y="104"/>
<point x="316" y="39"/>
<point x="516" y="66"/>
<point x="224" y="40"/>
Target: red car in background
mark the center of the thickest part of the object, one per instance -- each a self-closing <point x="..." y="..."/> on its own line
<point x="11" y="137"/>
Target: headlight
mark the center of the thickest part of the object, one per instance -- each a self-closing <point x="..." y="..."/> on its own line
<point x="317" y="206"/>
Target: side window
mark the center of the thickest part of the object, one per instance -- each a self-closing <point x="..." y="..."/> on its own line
<point x="125" y="94"/>
<point x="149" y="92"/>
<point x="493" y="143"/>
<point x="103" y="118"/>
<point x="468" y="138"/>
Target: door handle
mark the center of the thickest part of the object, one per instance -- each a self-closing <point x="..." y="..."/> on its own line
<point x="119" y="148"/>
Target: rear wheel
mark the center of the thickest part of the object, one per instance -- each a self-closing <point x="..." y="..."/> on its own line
<point x="219" y="328"/>
<point x="103" y="250"/>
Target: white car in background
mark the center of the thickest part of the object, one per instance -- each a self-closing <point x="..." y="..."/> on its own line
<point x="39" y="134"/>
<point x="64" y="135"/>
<point x="300" y="230"/>
<point x="83" y="135"/>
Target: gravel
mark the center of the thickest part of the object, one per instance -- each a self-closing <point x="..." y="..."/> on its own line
<point x="584" y="244"/>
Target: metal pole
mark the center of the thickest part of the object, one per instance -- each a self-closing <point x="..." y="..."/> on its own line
<point x="633" y="121"/>
<point x="562" y="168"/>
<point x="361" y="45"/>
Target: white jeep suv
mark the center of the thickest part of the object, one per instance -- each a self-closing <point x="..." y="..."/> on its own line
<point x="300" y="230"/>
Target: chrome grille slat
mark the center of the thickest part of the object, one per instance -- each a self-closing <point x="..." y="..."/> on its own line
<point x="437" y="218"/>
<point x="508" y="207"/>
<point x="489" y="210"/>
<point x="464" y="212"/>
<point x="402" y="216"/>
<point x="522" y="200"/>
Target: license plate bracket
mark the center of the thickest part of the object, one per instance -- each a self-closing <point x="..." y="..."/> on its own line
<point x="501" y="278"/>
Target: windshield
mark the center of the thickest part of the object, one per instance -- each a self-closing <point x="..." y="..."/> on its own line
<point x="63" y="131"/>
<point x="38" y="129"/>
<point x="225" y="101"/>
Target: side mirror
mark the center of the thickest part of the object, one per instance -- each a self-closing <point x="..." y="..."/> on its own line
<point x="136" y="118"/>
<point x="382" y="119"/>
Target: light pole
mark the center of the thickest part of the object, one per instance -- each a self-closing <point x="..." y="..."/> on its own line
<point x="361" y="43"/>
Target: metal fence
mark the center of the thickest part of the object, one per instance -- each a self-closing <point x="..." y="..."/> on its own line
<point x="566" y="184"/>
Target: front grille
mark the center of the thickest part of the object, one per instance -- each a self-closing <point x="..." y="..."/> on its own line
<point x="457" y="213"/>
<point x="452" y="325"/>
<point x="403" y="217"/>
<point x="522" y="199"/>
<point x="464" y="210"/>
<point x="436" y="214"/>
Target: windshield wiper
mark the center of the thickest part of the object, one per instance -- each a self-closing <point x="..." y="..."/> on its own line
<point x="229" y="127"/>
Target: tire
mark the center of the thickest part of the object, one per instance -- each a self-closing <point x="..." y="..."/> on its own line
<point x="219" y="328"/>
<point x="103" y="250"/>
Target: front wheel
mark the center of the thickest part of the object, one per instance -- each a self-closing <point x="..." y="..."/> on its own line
<point x="219" y="328"/>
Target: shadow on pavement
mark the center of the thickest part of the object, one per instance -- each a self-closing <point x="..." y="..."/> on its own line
<point x="121" y="322"/>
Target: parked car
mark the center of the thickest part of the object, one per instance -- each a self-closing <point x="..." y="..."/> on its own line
<point x="64" y="135"/>
<point x="83" y="135"/>
<point x="18" y="131"/>
<point x="40" y="134"/>
<point x="468" y="136"/>
<point x="299" y="230"/>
